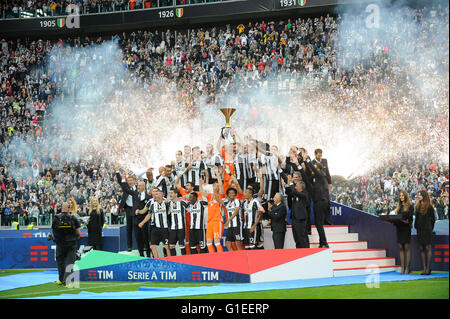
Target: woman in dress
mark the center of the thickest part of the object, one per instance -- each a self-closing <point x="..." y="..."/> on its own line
<point x="404" y="208"/>
<point x="424" y="224"/>
<point x="95" y="224"/>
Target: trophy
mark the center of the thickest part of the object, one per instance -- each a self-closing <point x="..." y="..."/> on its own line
<point x="226" y="131"/>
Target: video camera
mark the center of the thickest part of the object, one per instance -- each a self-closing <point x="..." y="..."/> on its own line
<point x="50" y="237"/>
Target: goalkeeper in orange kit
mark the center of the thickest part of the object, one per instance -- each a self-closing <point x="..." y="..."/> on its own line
<point x="214" y="228"/>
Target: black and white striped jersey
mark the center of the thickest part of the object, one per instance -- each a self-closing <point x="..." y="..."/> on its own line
<point x="250" y="209"/>
<point x="252" y="163"/>
<point x="210" y="162"/>
<point x="178" y="170"/>
<point x="196" y="172"/>
<point x="269" y="166"/>
<point x="164" y="184"/>
<point x="159" y="212"/>
<point x="230" y="206"/>
<point x="197" y="214"/>
<point x="177" y="214"/>
<point x="241" y="166"/>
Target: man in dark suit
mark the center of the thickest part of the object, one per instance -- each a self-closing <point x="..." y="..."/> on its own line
<point x="142" y="234"/>
<point x="323" y="161"/>
<point x="129" y="203"/>
<point x="277" y="214"/>
<point x="301" y="173"/>
<point x="321" y="199"/>
<point x="299" y="213"/>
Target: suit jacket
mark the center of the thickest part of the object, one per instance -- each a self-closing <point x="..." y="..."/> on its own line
<point x="324" y="163"/>
<point x="278" y="218"/>
<point x="126" y="191"/>
<point x="306" y="178"/>
<point x="299" y="203"/>
<point x="320" y="190"/>
<point x="141" y="204"/>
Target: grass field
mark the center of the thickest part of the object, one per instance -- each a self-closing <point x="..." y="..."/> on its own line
<point x="437" y="288"/>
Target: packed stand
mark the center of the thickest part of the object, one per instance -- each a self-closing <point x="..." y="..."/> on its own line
<point x="32" y="8"/>
<point x="202" y="64"/>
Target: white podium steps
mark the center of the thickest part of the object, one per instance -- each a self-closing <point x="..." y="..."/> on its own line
<point x="365" y="270"/>
<point x="341" y="245"/>
<point x="358" y="253"/>
<point x="351" y="255"/>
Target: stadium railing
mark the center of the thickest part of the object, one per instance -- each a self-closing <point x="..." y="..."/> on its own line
<point x="116" y="6"/>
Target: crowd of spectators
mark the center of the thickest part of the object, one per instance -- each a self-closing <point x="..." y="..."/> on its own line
<point x="39" y="8"/>
<point x="377" y="193"/>
<point x="200" y="64"/>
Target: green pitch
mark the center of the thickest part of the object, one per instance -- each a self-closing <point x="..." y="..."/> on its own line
<point x="416" y="289"/>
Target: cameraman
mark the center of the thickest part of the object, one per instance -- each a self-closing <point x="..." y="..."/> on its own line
<point x="66" y="232"/>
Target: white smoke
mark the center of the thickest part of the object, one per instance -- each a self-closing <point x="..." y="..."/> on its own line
<point x="108" y="111"/>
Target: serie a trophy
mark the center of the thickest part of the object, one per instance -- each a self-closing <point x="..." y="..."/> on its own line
<point x="226" y="130"/>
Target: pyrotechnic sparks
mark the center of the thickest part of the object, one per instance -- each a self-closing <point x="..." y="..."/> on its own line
<point x="397" y="102"/>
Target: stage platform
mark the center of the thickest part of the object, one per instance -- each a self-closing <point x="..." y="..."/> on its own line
<point x="236" y="266"/>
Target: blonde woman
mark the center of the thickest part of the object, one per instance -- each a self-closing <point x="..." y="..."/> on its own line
<point x="73" y="206"/>
<point x="95" y="224"/>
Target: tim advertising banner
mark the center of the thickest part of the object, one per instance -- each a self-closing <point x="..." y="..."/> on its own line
<point x="22" y="249"/>
<point x="160" y="271"/>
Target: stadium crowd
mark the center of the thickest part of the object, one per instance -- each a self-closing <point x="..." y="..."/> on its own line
<point x="201" y="64"/>
<point x="14" y="8"/>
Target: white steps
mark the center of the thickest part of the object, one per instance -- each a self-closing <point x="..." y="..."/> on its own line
<point x="363" y="262"/>
<point x="351" y="256"/>
<point x="331" y="229"/>
<point x="358" y="253"/>
<point x="341" y="245"/>
<point x="314" y="238"/>
<point x="364" y="270"/>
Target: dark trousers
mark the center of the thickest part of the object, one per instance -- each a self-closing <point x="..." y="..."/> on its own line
<point x="130" y="226"/>
<point x="141" y="235"/>
<point x="327" y="220"/>
<point x="278" y="239"/>
<point x="300" y="234"/>
<point x="308" y="220"/>
<point x="65" y="256"/>
<point x="320" y="211"/>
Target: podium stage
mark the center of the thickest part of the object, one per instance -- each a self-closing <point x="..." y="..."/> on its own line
<point x="245" y="266"/>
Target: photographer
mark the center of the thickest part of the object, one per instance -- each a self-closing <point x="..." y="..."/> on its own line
<point x="66" y="232"/>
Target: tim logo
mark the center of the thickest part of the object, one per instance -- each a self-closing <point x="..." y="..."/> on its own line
<point x="196" y="275"/>
<point x="442" y="255"/>
<point x="100" y="275"/>
<point x="27" y="235"/>
<point x="336" y="211"/>
<point x="38" y="253"/>
<point x="205" y="275"/>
